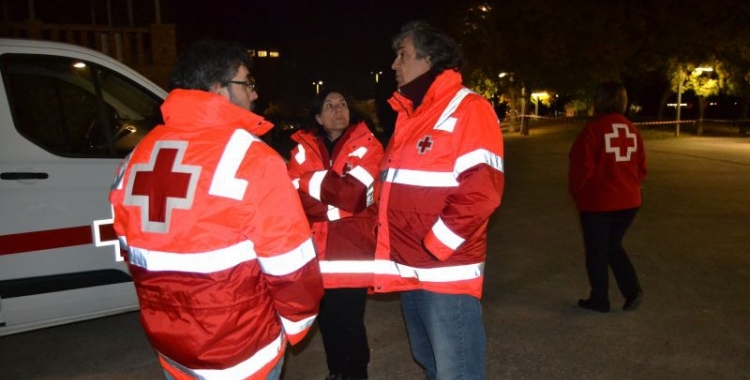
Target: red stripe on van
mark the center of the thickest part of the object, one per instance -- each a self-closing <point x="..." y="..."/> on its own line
<point x="39" y="240"/>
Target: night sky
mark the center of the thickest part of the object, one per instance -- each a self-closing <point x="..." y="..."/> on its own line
<point x="338" y="42"/>
<point x="328" y="40"/>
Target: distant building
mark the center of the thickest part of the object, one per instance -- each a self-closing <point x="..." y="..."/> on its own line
<point x="141" y="41"/>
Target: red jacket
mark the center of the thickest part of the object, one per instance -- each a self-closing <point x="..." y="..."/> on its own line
<point x="607" y="165"/>
<point x="219" y="248"/>
<point x="442" y="180"/>
<point x="337" y="194"/>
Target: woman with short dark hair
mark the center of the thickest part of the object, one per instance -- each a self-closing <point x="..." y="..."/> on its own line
<point x="334" y="166"/>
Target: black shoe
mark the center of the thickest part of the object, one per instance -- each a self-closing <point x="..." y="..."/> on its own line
<point x="600" y="306"/>
<point x="632" y="302"/>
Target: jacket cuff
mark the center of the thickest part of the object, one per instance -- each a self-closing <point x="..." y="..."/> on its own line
<point x="441" y="241"/>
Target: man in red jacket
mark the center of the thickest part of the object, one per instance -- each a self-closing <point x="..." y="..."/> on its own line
<point x="442" y="178"/>
<point x="607" y="166"/>
<point x="217" y="241"/>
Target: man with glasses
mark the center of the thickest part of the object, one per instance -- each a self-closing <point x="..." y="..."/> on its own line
<point x="215" y="237"/>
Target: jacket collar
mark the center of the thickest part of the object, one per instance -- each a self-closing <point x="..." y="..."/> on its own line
<point x="201" y="109"/>
<point x="417" y="89"/>
<point x="447" y="81"/>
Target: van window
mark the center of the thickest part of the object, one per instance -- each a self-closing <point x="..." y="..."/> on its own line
<point x="74" y="108"/>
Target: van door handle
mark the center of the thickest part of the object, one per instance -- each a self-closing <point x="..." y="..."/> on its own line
<point x="23" y="175"/>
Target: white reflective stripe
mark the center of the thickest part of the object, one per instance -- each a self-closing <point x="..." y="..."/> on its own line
<point x="300" y="156"/>
<point x="479" y="156"/>
<point x="295" y="182"/>
<point x="241" y="371"/>
<point x="448" y="125"/>
<point x="225" y="182"/>
<point x="446" y="236"/>
<point x="346" y="266"/>
<point x="203" y="262"/>
<point x="362" y="175"/>
<point x="123" y="242"/>
<point x="449" y="110"/>
<point x="359" y="152"/>
<point x="289" y="262"/>
<point x="443" y="274"/>
<point x="333" y="213"/>
<point x="293" y="328"/>
<point x="420" y="178"/>
<point x="313" y="188"/>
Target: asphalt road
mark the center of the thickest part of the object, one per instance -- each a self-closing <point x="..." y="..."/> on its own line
<point x="690" y="245"/>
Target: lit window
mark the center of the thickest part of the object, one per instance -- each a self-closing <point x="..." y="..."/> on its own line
<point x="262" y="53"/>
<point x="274" y="54"/>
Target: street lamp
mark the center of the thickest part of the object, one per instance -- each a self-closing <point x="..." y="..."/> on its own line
<point x="317" y="86"/>
<point x="377" y="75"/>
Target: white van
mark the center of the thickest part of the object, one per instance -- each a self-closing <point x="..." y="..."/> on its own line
<point x="67" y="117"/>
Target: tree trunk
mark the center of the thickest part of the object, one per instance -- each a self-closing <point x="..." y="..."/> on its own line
<point x="663" y="103"/>
<point x="702" y="102"/>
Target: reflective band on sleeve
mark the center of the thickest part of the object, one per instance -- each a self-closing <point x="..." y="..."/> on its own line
<point x="333" y="213"/>
<point x="346" y="266"/>
<point x="289" y="262"/>
<point x="442" y="274"/>
<point x="295" y="182"/>
<point x="362" y="175"/>
<point x="446" y="236"/>
<point x="243" y="370"/>
<point x="293" y="328"/>
<point x="420" y="178"/>
<point x="123" y="242"/>
<point x="479" y="156"/>
<point x="313" y="188"/>
<point x="203" y="262"/>
<point x="300" y="156"/>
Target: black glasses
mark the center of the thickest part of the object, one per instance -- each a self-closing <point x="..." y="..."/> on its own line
<point x="249" y="83"/>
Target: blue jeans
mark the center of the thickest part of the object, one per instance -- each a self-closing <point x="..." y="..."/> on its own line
<point x="446" y="334"/>
<point x="275" y="373"/>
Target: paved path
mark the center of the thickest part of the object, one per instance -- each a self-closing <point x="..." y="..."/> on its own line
<point x="690" y="245"/>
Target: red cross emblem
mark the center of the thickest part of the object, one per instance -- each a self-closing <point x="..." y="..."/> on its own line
<point x="104" y="235"/>
<point x="621" y="142"/>
<point x="424" y="144"/>
<point x="162" y="185"/>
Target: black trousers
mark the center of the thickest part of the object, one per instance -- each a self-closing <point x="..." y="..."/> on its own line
<point x="342" y="327"/>
<point x="602" y="235"/>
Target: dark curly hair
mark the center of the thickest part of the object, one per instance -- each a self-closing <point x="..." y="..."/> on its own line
<point x="208" y="62"/>
<point x="444" y="52"/>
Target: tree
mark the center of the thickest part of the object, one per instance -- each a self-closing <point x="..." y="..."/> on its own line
<point x="705" y="79"/>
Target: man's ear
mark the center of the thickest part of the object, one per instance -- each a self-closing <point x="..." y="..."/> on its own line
<point x="219" y="89"/>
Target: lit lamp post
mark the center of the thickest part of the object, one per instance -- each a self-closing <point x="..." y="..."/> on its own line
<point x="513" y="111"/>
<point x="377" y="75"/>
<point x="317" y="86"/>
